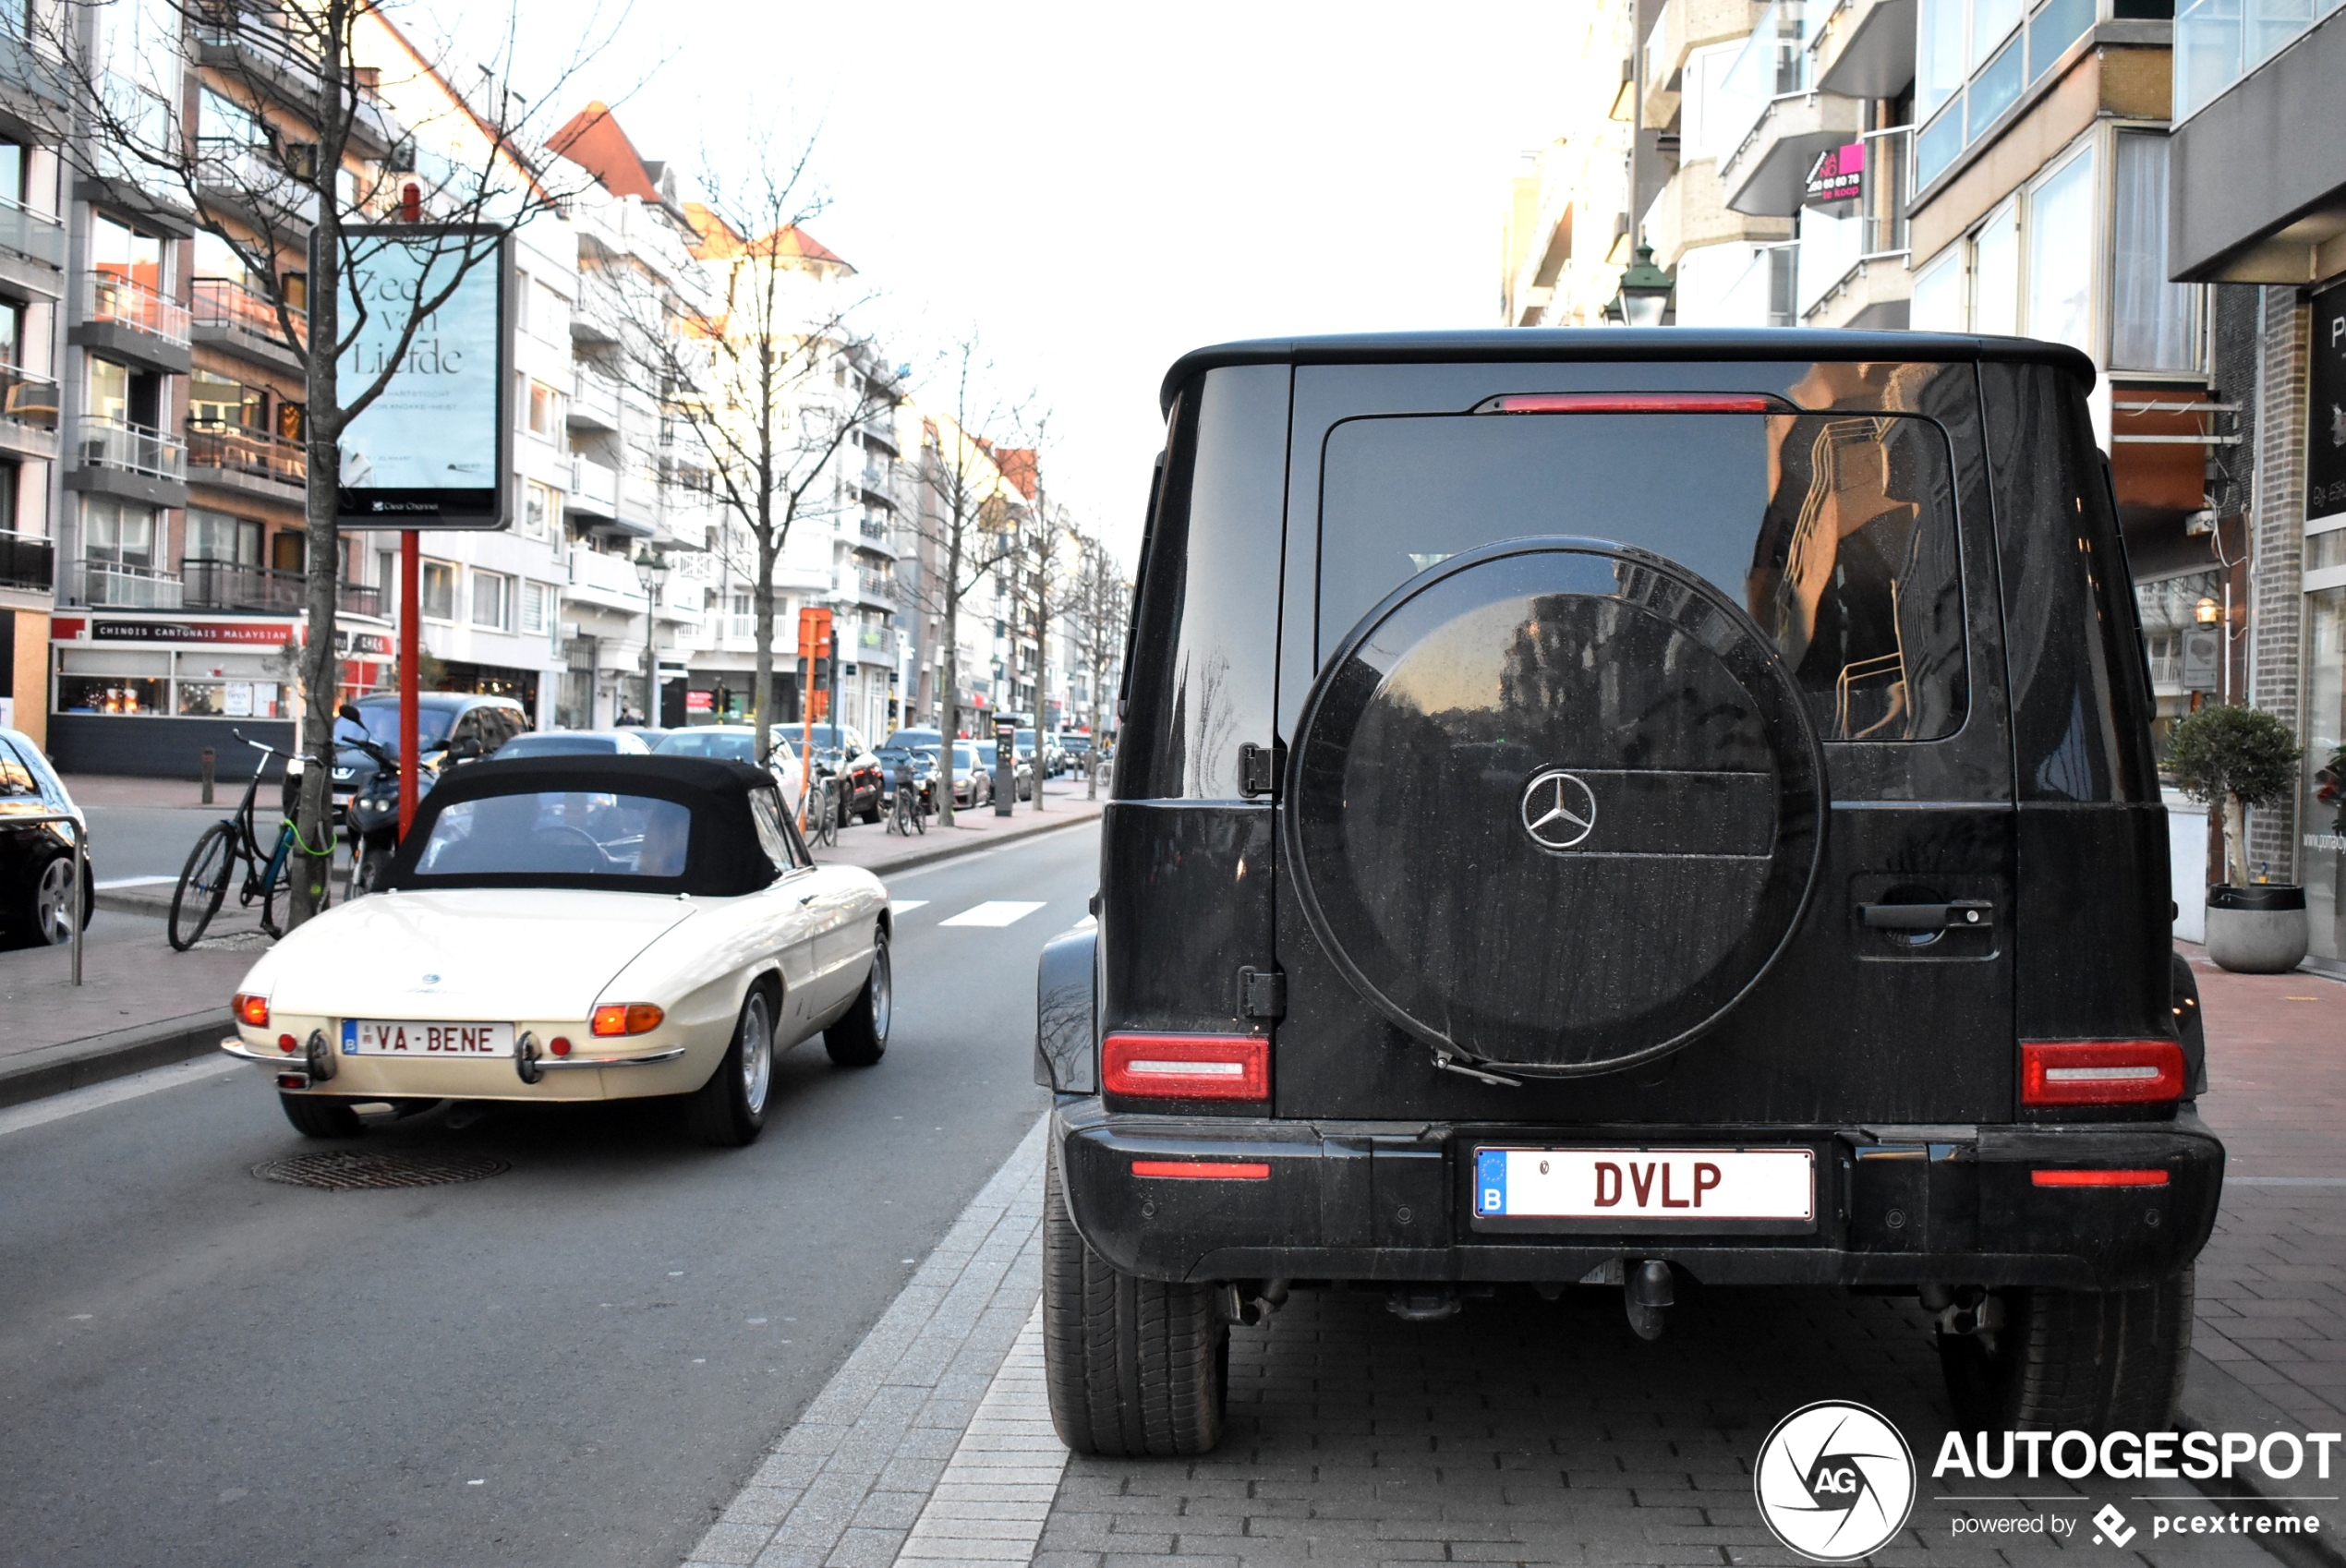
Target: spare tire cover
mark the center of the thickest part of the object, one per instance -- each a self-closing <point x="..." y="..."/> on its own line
<point x="1555" y="804"/>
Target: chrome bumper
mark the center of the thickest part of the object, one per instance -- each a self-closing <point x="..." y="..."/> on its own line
<point x="317" y="1064"/>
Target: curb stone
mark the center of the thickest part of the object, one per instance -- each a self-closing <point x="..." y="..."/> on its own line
<point x="2215" y="1401"/>
<point x="74" y="1064"/>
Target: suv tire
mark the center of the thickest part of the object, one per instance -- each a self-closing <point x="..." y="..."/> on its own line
<point x="1134" y="1366"/>
<point x="2087" y="1361"/>
<point x="313" y="1116"/>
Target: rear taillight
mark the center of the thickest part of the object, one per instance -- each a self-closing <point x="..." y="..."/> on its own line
<point x="251" y="1011"/>
<point x="625" y="1018"/>
<point x="1632" y="402"/>
<point x="2098" y="1178"/>
<point x="1187" y="1066"/>
<point x="1204" y="1170"/>
<point x="2099" y="1072"/>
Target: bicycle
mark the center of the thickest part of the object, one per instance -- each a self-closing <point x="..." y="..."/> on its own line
<point x="211" y="866"/>
<point x="908" y="812"/>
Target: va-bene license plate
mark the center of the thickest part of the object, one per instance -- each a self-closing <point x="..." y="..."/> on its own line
<point x="1640" y="1187"/>
<point x="390" y="1037"/>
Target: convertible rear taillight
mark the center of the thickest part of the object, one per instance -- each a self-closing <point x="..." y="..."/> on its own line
<point x="627" y="1018"/>
<point x="251" y="1011"/>
<point x="1187" y="1066"/>
<point x="1632" y="402"/>
<point x="2099" y="1072"/>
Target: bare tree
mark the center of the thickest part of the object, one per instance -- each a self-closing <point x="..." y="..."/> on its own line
<point x="298" y="165"/>
<point x="1044" y="545"/>
<point x="1099" y="605"/>
<point x="758" y="362"/>
<point x="973" y="508"/>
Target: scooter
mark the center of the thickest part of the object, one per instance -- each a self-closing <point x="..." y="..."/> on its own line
<point x="371" y="825"/>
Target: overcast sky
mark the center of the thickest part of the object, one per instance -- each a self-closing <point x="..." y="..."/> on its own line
<point x="1099" y="187"/>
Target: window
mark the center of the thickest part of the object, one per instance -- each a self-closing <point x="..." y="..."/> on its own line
<point x="521" y="302"/>
<point x="492" y="600"/>
<point x="2061" y="255"/>
<point x="117" y="250"/>
<point x="1835" y="532"/>
<point x="2154" y="325"/>
<point x="536" y="608"/>
<point x="549" y="833"/>
<point x="545" y="411"/>
<point x="540" y="506"/>
<point x="1938" y="298"/>
<point x="1938" y="56"/>
<point x="1995" y="269"/>
<point x="119" y="532"/>
<point x="214" y="536"/>
<point x="439" y="591"/>
<point x="211" y="399"/>
<point x="292" y="420"/>
<point x="226" y="121"/>
<point x="548" y="314"/>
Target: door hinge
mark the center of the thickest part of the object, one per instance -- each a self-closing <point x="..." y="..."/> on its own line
<point x="1258" y="771"/>
<point x="1262" y="993"/>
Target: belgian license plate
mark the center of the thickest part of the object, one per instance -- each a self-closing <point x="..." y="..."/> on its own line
<point x="393" y="1037"/>
<point x="1640" y="1187"/>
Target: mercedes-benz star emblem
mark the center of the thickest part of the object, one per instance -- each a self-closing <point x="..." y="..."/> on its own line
<point x="1558" y="810"/>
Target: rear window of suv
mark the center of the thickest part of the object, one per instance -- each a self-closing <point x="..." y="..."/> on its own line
<point x="1836" y="531"/>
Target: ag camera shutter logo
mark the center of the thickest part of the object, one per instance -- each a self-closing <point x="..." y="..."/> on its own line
<point x="1835" y="1481"/>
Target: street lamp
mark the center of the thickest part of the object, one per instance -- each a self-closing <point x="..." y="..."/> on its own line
<point x="651" y="570"/>
<point x="1645" y="291"/>
<point x="2208" y="611"/>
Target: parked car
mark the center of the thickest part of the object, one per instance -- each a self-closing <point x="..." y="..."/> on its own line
<point x="36" y="860"/>
<point x="473" y="726"/>
<point x="915" y="736"/>
<point x="577" y="928"/>
<point x="738" y="742"/>
<point x="920" y="766"/>
<point x="1718" y="841"/>
<point x="972" y="774"/>
<point x="575" y="742"/>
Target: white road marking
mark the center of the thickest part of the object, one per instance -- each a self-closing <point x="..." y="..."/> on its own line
<point x="996" y="1490"/>
<point x="2284" y="1181"/>
<point x="1089" y="922"/>
<point x="906" y="905"/>
<point x="995" y="911"/>
<point x="72" y="1102"/>
<point x="132" y="882"/>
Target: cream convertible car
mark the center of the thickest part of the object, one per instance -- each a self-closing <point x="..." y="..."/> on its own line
<point x="577" y="928"/>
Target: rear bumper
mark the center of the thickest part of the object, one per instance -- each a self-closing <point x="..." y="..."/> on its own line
<point x="1896" y="1206"/>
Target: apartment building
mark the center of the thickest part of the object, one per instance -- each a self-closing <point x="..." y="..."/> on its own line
<point x="2266" y="226"/>
<point x="1567" y="236"/>
<point x="34" y="191"/>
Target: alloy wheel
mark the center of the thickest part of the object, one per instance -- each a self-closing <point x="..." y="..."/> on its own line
<point x="883" y="993"/>
<point x="757" y="1055"/>
<point x="52" y="901"/>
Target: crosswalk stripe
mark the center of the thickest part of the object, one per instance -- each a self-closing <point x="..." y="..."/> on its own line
<point x="906" y="905"/>
<point x="995" y="911"/>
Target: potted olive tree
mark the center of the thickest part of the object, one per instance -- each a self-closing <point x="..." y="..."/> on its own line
<point x="2230" y="759"/>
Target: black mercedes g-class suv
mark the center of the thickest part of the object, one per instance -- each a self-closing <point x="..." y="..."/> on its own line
<point x="1624" y="809"/>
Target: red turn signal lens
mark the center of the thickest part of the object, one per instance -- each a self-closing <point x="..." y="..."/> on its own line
<point x="251" y="1011"/>
<point x="1630" y="403"/>
<point x="627" y="1018"/>
<point x="288" y="1044"/>
<point x="1187" y="1066"/>
<point x="2098" y="1178"/>
<point x="2099" y="1072"/>
<point x="558" y="1045"/>
<point x="1204" y="1170"/>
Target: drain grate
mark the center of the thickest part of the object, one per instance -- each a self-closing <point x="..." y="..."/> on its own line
<point x="367" y="1170"/>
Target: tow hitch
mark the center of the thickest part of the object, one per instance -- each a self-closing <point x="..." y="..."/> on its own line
<point x="1647" y="1291"/>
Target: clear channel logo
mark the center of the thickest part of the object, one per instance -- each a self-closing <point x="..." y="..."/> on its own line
<point x="1835" y="1481"/>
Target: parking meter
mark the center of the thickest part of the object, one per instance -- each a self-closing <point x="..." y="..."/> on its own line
<point x="1005" y="766"/>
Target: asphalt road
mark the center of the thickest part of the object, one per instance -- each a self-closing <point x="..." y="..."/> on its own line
<point x="127" y="841"/>
<point x="576" y="1362"/>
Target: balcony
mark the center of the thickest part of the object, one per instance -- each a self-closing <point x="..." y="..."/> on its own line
<point x="1791" y="121"/>
<point x="28" y="562"/>
<point x="605" y="579"/>
<point x="594" y="401"/>
<point x="128" y="319"/>
<point x="28" y="414"/>
<point x="878" y="484"/>
<point x="594" y="490"/>
<point x="248" y="179"/>
<point x="247" y="460"/>
<point x="101" y="442"/>
<point x="36" y="83"/>
<point x="32" y="250"/>
<point x="1865" y="49"/>
<point x="243" y="585"/>
<point x="111" y="585"/>
<point x="1852" y="250"/>
<point x="1681" y="26"/>
<point x="242" y="320"/>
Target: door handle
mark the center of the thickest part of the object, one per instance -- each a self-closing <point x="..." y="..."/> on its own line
<point x="1958" y="914"/>
<point x="808" y="900"/>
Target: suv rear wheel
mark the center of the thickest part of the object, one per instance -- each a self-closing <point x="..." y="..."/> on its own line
<point x="2086" y="1360"/>
<point x="1134" y="1366"/>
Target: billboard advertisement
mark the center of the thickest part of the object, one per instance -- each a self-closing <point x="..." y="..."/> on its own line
<point x="430" y="453"/>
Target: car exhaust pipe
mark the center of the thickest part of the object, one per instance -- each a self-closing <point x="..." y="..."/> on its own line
<point x="1424" y="1303"/>
<point x="1648" y="1292"/>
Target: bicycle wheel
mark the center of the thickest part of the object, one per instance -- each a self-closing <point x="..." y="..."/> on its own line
<point x="279" y="873"/>
<point x="212" y="865"/>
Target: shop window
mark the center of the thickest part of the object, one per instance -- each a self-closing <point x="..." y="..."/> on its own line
<point x="106" y="681"/>
<point x="439" y="591"/>
<point x="2154" y="325"/>
<point x="492" y="600"/>
<point x="2061" y="255"/>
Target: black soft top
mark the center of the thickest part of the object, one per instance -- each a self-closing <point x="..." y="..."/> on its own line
<point x="1640" y="344"/>
<point x="725" y="857"/>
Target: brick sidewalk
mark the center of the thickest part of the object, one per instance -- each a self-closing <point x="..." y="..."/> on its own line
<point x="2272" y="1283"/>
